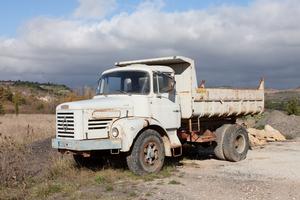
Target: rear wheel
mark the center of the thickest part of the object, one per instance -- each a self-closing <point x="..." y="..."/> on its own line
<point x="220" y="133"/>
<point x="147" y="154"/>
<point x="236" y="143"/>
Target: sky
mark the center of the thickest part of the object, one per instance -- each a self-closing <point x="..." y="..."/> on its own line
<point x="234" y="43"/>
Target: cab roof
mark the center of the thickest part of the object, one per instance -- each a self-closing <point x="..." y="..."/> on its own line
<point x="142" y="67"/>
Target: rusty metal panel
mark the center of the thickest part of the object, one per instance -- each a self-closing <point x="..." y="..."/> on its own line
<point x="228" y="102"/>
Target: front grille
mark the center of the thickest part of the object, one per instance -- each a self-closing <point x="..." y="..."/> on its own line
<point x="96" y="124"/>
<point x="65" y="124"/>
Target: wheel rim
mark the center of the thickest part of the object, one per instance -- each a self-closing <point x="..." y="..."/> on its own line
<point x="240" y="143"/>
<point x="150" y="156"/>
<point x="150" y="153"/>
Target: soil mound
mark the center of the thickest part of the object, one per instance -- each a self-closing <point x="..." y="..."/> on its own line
<point x="288" y="125"/>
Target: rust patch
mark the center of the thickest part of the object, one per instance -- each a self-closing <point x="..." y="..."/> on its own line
<point x="184" y="92"/>
<point x="201" y="90"/>
<point x="196" y="136"/>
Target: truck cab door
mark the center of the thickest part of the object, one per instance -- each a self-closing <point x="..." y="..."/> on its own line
<point x="164" y="107"/>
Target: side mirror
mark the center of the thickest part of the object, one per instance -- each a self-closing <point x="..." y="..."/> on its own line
<point x="171" y="85"/>
<point x="165" y="83"/>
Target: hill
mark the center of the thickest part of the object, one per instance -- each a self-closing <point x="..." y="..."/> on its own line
<point x="31" y="97"/>
<point x="283" y="99"/>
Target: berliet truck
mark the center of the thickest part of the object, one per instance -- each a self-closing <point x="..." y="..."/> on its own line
<point x="148" y="109"/>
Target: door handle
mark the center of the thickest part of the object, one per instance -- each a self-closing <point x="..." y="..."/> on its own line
<point x="175" y="110"/>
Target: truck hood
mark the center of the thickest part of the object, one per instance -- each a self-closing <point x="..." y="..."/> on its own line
<point x="103" y="102"/>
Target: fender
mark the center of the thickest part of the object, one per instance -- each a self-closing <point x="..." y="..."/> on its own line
<point x="129" y="129"/>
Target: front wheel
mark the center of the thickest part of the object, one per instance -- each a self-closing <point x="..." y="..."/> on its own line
<point x="147" y="154"/>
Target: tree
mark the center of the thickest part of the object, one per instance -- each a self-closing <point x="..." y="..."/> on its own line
<point x="16" y="101"/>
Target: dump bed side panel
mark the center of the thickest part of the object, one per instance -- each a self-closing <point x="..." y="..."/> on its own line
<point x="228" y="102"/>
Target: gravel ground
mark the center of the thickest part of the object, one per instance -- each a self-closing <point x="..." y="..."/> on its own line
<point x="269" y="173"/>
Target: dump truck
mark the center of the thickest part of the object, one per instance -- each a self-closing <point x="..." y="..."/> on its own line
<point x="146" y="110"/>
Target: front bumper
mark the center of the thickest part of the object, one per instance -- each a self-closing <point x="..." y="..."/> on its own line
<point x="86" y="145"/>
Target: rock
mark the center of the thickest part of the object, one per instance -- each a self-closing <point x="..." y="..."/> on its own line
<point x="256" y="137"/>
<point x="255" y="141"/>
<point x="261" y="137"/>
<point x="259" y="134"/>
<point x="273" y="134"/>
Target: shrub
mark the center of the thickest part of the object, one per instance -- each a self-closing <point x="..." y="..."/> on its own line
<point x="2" y="111"/>
<point x="40" y="107"/>
<point x="12" y="161"/>
<point x="7" y="95"/>
<point x="1" y="92"/>
<point x="16" y="100"/>
<point x="61" y="166"/>
<point x="274" y="105"/>
<point x="292" y="107"/>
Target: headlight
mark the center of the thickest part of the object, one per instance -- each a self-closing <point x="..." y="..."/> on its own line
<point x="115" y="132"/>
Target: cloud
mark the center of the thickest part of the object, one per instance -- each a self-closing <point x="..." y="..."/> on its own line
<point x="232" y="45"/>
<point x="94" y="9"/>
<point x="151" y="5"/>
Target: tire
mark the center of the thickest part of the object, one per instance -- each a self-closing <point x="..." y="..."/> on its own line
<point x="220" y="133"/>
<point x="236" y="143"/>
<point x="147" y="154"/>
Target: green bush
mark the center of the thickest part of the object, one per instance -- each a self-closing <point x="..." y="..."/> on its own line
<point x="2" y="111"/>
<point x="292" y="107"/>
<point x="274" y="105"/>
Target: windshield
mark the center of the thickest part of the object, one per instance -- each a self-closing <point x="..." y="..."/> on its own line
<point x="124" y="82"/>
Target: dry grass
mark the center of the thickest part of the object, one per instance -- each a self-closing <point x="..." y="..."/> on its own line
<point x="16" y="135"/>
<point x="25" y="145"/>
<point x="27" y="128"/>
<point x="11" y="161"/>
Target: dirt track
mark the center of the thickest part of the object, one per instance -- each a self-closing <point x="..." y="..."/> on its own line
<point x="269" y="173"/>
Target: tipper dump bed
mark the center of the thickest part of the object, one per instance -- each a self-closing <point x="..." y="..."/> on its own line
<point x="228" y="102"/>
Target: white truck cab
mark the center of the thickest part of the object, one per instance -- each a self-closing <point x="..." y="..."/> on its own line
<point x="146" y="110"/>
